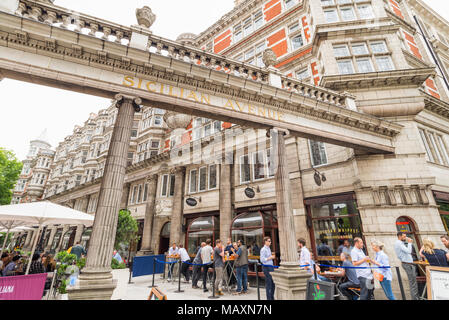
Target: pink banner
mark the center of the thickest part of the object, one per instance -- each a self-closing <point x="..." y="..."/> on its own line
<point x="30" y="287"/>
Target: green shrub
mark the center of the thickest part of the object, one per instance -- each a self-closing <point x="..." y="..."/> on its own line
<point x="117" y="265"/>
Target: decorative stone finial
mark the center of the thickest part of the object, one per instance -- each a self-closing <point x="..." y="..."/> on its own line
<point x="145" y="17"/>
<point x="269" y="58"/>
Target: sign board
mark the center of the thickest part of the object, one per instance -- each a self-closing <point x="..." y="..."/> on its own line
<point x="249" y="192"/>
<point x="157" y="294"/>
<point x="29" y="287"/>
<point x="437" y="283"/>
<point x="320" y="290"/>
<point x="191" y="202"/>
<point x="143" y="265"/>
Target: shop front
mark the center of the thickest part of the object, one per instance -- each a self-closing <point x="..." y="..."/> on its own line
<point x="331" y="220"/>
<point x="201" y="228"/>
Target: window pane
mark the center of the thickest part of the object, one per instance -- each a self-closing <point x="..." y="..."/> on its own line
<point x="244" y="169"/>
<point x="145" y="192"/>
<point x="193" y="181"/>
<point x="345" y="66"/>
<point x="384" y="63"/>
<point x="297" y="42"/>
<point x="365" y="11"/>
<point x="341" y="51"/>
<point x="360" y="48"/>
<point x="379" y="47"/>
<point x="302" y="74"/>
<point x="213" y="176"/>
<point x="364" y="65"/>
<point x="203" y="178"/>
<point x="435" y="148"/>
<point x="259" y="165"/>
<point x="250" y="219"/>
<point x="164" y="185"/>
<point x="318" y="151"/>
<point x="426" y="145"/>
<point x="331" y="16"/>
<point x="443" y="149"/>
<point x="139" y="198"/>
<point x="347" y="14"/>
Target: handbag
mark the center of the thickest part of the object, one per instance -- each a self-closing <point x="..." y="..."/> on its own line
<point x="378" y="276"/>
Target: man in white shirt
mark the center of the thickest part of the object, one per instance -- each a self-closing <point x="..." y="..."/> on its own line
<point x="304" y="257"/>
<point x="365" y="276"/>
<point x="206" y="256"/>
<point x="184" y="256"/>
<point x="404" y="253"/>
<point x="173" y="251"/>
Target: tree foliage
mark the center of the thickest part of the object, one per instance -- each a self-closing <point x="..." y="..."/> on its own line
<point x="126" y="228"/>
<point x="10" y="168"/>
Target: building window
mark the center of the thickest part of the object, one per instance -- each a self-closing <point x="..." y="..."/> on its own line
<point x="133" y="196"/>
<point x="333" y="220"/>
<point x="364" y="65"/>
<point x="289" y="4"/>
<point x="145" y="192"/>
<point x="345" y="66"/>
<point x="318" y="153"/>
<point x="213" y="176"/>
<point x="200" y="230"/>
<point x="297" y="42"/>
<point x="193" y="181"/>
<point x="303" y="74"/>
<point x="139" y="197"/>
<point x="444" y="212"/>
<point x="164" y="188"/>
<point x="435" y="146"/>
<point x="203" y="178"/>
<point x="365" y="11"/>
<point x="245" y="169"/>
<point x="157" y="121"/>
<point x="359" y="49"/>
<point x="384" y="63"/>
<point x="259" y="165"/>
<point x="379" y="47"/>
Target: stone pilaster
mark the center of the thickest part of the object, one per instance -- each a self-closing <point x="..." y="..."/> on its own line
<point x="28" y="239"/>
<point x="176" y="233"/>
<point x="95" y="281"/>
<point x="50" y="239"/>
<point x="149" y="217"/>
<point x="225" y="201"/>
<point x="290" y="281"/>
<point x="64" y="230"/>
<point x="125" y="196"/>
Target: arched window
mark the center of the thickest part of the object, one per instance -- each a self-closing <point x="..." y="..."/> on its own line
<point x="252" y="227"/>
<point x="200" y="230"/>
<point x="406" y="225"/>
<point x="164" y="241"/>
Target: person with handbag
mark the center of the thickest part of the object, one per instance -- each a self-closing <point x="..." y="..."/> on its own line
<point x="384" y="275"/>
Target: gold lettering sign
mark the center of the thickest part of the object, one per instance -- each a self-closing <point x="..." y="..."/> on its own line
<point x="234" y="105"/>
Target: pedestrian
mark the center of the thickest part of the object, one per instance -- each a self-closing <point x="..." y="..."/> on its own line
<point x="445" y="241"/>
<point x="229" y="274"/>
<point x="435" y="257"/>
<point x="364" y="274"/>
<point x="184" y="256"/>
<point x="197" y="267"/>
<point x="218" y="266"/>
<point x="324" y="250"/>
<point x="345" y="247"/>
<point x="349" y="272"/>
<point x="36" y="266"/>
<point x="78" y="250"/>
<point x="255" y="249"/>
<point x="116" y="255"/>
<point x="172" y="253"/>
<point x="266" y="258"/>
<point x="206" y="257"/>
<point x="49" y="263"/>
<point x="403" y="248"/>
<point x="241" y="263"/>
<point x="5" y="257"/>
<point x="304" y="257"/>
<point x="11" y="265"/>
<point x="385" y="275"/>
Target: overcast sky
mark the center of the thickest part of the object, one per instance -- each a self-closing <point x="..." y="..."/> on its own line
<point x="27" y="109"/>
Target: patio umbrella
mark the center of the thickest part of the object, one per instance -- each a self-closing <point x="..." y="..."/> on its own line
<point x="13" y="230"/>
<point x="8" y="226"/>
<point x="42" y="214"/>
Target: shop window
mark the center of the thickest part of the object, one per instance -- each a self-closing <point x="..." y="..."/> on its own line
<point x="444" y="212"/>
<point x="213" y="176"/>
<point x="193" y="181"/>
<point x="200" y="230"/>
<point x="406" y="225"/>
<point x="332" y="220"/>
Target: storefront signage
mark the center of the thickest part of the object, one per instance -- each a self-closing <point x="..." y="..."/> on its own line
<point x="191" y="202"/>
<point x="250" y="193"/>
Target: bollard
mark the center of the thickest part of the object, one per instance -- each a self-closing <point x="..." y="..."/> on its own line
<point x="154" y="272"/>
<point x="314" y="272"/>
<point x="213" y="285"/>
<point x="257" y="281"/>
<point x="400" y="284"/>
<point x="179" y="278"/>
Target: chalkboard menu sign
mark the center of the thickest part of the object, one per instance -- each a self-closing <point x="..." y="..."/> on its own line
<point x="320" y="290"/>
<point x="437" y="283"/>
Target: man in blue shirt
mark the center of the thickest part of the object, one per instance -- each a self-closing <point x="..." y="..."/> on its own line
<point x="266" y="258"/>
<point x="404" y="253"/>
<point x="351" y="274"/>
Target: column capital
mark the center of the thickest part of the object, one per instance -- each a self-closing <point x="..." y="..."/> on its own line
<point x="122" y="98"/>
<point x="284" y="132"/>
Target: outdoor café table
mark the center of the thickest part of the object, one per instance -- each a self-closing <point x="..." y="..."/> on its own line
<point x="229" y="267"/>
<point x="334" y="276"/>
<point x="170" y="270"/>
<point x="422" y="266"/>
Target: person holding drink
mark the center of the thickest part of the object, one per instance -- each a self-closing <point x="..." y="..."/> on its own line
<point x="359" y="259"/>
<point x="403" y="248"/>
<point x="384" y="274"/>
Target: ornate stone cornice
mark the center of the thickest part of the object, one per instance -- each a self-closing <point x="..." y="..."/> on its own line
<point x="378" y="79"/>
<point x="435" y="105"/>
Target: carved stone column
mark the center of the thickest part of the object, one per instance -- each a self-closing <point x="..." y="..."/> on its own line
<point x="64" y="230"/>
<point x="176" y="217"/>
<point x="28" y="239"/>
<point x="80" y="227"/>
<point x="290" y="281"/>
<point x="149" y="217"/>
<point x="225" y="201"/>
<point x="95" y="281"/>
